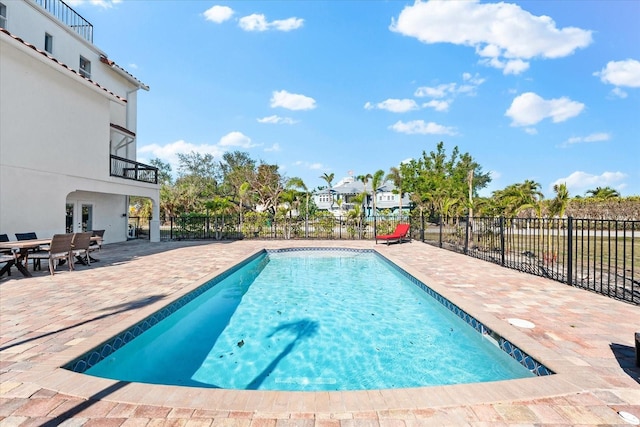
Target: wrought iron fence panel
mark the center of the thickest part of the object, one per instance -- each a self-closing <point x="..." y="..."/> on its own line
<point x="602" y="256"/>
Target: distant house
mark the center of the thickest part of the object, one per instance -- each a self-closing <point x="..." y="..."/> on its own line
<point x="68" y="119"/>
<point x="340" y="199"/>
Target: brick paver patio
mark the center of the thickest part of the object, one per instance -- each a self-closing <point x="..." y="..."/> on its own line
<point x="45" y="321"/>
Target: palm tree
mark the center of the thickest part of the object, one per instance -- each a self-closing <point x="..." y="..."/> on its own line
<point x="603" y="193"/>
<point x="559" y="204"/>
<point x="328" y="177"/>
<point x="395" y="176"/>
<point x="377" y="181"/>
<point x="365" y="180"/>
<point x="298" y="183"/>
<point x="557" y="207"/>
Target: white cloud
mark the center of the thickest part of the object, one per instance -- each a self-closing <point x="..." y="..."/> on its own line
<point x="594" y="137"/>
<point x="437" y="105"/>
<point x="579" y="182"/>
<point x="619" y="93"/>
<point x="277" y="120"/>
<point x="621" y="73"/>
<point x="292" y="101"/>
<point x="255" y="22"/>
<point x="287" y="24"/>
<point x="439" y="91"/>
<point x="258" y="22"/>
<point x="218" y="14"/>
<point x="503" y="34"/>
<point x="529" y="108"/>
<point x="236" y="139"/>
<point x="169" y="152"/>
<point x="448" y="90"/>
<point x="394" y="105"/>
<point x="309" y="165"/>
<point x="420" y="127"/>
<point x="105" y="4"/>
<point x="274" y="147"/>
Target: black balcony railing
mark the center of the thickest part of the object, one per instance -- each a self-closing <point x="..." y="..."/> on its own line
<point x="65" y="14"/>
<point x="128" y="169"/>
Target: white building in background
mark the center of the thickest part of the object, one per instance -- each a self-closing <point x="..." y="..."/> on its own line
<point x="340" y="199"/>
<point x="68" y="118"/>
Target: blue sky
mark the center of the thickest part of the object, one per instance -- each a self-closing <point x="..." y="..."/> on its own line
<point x="541" y="90"/>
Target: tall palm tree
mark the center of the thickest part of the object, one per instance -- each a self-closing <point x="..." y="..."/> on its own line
<point x="603" y="193"/>
<point x="395" y="176"/>
<point x="365" y="180"/>
<point x="328" y="177"/>
<point x="559" y="204"/>
<point x="298" y="183"/>
<point x="377" y="181"/>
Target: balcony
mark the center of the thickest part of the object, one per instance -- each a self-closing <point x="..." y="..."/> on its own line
<point x="128" y="169"/>
<point x="65" y="14"/>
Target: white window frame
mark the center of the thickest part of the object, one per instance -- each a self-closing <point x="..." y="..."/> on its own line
<point x="85" y="67"/>
<point x="48" y="43"/>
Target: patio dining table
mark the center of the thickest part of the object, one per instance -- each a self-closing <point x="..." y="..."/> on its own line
<point x="22" y="252"/>
<point x="23" y="247"/>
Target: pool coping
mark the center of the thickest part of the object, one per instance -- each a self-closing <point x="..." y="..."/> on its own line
<point x="568" y="377"/>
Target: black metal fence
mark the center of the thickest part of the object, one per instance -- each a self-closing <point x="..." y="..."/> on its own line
<point x="599" y="255"/>
<point x="263" y="226"/>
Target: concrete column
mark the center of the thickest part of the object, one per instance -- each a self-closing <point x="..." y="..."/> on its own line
<point x="154" y="224"/>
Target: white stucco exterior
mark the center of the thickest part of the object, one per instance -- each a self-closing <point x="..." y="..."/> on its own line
<point x="57" y="131"/>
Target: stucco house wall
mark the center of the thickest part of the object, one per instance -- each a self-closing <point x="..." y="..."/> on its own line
<point x="55" y="131"/>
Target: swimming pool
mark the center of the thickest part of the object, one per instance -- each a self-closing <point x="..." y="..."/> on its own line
<point x="263" y="331"/>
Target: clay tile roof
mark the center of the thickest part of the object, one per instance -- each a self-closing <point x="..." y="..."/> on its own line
<point x="112" y="64"/>
<point x="43" y="53"/>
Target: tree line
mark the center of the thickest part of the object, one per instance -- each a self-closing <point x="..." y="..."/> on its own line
<point x="439" y="184"/>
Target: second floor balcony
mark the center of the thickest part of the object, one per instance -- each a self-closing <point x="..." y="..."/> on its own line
<point x="129" y="169"/>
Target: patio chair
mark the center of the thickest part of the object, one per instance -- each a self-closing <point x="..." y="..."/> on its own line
<point x="31" y="236"/>
<point x="60" y="249"/>
<point x="80" y="244"/>
<point x="4" y="238"/>
<point x="96" y="245"/>
<point x="8" y="261"/>
<point x="398" y="234"/>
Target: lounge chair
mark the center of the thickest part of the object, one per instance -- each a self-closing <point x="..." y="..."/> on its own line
<point x="398" y="234"/>
<point x="59" y="249"/>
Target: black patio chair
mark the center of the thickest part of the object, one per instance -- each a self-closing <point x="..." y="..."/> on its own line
<point x="31" y="236"/>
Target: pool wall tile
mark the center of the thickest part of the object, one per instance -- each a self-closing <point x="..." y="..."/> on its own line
<point x="103" y="351"/>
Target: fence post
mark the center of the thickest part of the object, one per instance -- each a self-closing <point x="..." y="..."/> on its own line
<point x="440" y="238"/>
<point x="466" y="237"/>
<point x="570" y="250"/>
<point x="502" y="241"/>
<point x="422" y="226"/>
<point x="171" y="229"/>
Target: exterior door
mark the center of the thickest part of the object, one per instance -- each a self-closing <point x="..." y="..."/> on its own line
<point x="79" y="216"/>
<point x="86" y="215"/>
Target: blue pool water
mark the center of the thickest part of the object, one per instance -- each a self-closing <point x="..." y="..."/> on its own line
<point x="311" y="320"/>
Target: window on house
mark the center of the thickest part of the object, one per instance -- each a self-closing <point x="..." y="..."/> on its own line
<point x="3" y="16"/>
<point x="48" y="42"/>
<point x="85" y="67"/>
